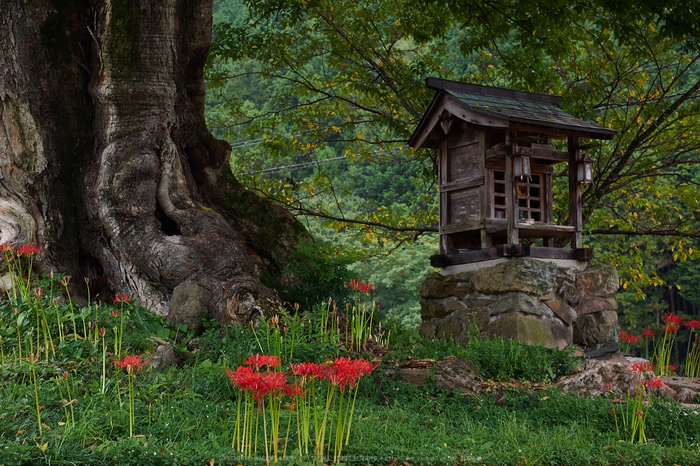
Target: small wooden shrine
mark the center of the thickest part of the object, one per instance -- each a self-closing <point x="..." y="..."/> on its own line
<point x="497" y="148"/>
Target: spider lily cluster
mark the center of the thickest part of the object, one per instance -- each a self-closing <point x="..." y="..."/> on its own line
<point x="321" y="402"/>
<point x="662" y="345"/>
<point x="43" y="330"/>
<point x="638" y="401"/>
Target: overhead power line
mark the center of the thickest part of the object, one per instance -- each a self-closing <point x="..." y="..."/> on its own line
<point x="297" y="166"/>
<point x="249" y="142"/>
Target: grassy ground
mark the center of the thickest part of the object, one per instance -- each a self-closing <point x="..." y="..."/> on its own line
<point x="187" y="414"/>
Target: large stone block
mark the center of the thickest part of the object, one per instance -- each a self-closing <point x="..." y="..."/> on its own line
<point x="449" y="329"/>
<point x="427" y="329"/>
<point x="525" y="275"/>
<point x="188" y="305"/>
<point x="596" y="304"/>
<point x="562" y="310"/>
<point x="453" y="304"/>
<point x="598" y="280"/>
<point x="477" y="316"/>
<point x="562" y="333"/>
<point x="519" y="302"/>
<point x="595" y="329"/>
<point x="461" y="278"/>
<point x="462" y="290"/>
<point x="435" y="286"/>
<point x="430" y="309"/>
<point x="526" y="329"/>
<point x="454" y="373"/>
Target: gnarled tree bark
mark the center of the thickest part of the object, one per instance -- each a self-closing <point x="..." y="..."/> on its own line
<point x="105" y="158"/>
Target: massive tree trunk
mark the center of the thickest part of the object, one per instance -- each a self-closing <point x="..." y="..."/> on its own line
<point x="105" y="158"/>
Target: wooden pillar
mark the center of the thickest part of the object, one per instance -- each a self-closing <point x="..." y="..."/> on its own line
<point x="575" y="215"/>
<point x="445" y="240"/>
<point x="548" y="208"/>
<point x="511" y="194"/>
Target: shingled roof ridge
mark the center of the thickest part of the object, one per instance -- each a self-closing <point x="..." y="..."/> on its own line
<point x="438" y="84"/>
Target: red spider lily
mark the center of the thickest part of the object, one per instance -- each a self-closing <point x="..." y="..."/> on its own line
<point x="344" y="371"/>
<point x="672" y="368"/>
<point x="608" y="387"/>
<point x="38" y="292"/>
<point x="671" y="318"/>
<point x="131" y="361"/>
<point x="292" y="391"/>
<point x="653" y="383"/>
<point x="306" y="369"/>
<point x="628" y="337"/>
<point x="33" y="357"/>
<point x="646" y="333"/>
<point x="357" y="285"/>
<point x="335" y="378"/>
<point x="364" y="367"/>
<point x="6" y="247"/>
<point x="28" y="250"/>
<point x="114" y="312"/>
<point x="640" y="414"/>
<point x="259" y="360"/>
<point x="274" y="382"/>
<point x="670" y="328"/>
<point x="259" y="384"/>
<point x="64" y="281"/>
<point x="101" y="331"/>
<point x="244" y="378"/>
<point x="121" y="298"/>
<point x="641" y="367"/>
<point x="692" y="324"/>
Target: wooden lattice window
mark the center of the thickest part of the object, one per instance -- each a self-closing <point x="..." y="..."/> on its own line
<point x="529" y="196"/>
<point x="499" y="194"/>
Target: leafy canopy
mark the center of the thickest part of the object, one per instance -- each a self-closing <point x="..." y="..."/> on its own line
<point x="344" y="80"/>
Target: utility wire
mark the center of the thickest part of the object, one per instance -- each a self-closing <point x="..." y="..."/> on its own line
<point x="296" y="166"/>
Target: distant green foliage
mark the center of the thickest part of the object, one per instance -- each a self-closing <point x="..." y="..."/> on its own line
<point x="685" y="275"/>
<point x="396" y="278"/>
<point x="309" y="81"/>
<point x="319" y="272"/>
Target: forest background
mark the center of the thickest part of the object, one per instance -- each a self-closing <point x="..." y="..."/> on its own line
<point x="317" y="99"/>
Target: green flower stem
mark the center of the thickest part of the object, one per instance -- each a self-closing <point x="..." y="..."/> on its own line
<point x="36" y="396"/>
<point x="321" y="433"/>
<point x="131" y="402"/>
<point x="104" y="364"/>
<point x="352" y="412"/>
<point x="236" y="442"/>
<point x="64" y="402"/>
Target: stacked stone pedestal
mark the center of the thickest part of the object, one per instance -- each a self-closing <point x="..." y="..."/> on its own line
<point x="525" y="299"/>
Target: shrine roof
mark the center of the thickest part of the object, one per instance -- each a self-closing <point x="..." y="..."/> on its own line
<point x="514" y="107"/>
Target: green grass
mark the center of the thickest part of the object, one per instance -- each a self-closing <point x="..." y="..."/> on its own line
<point x="186" y="415"/>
